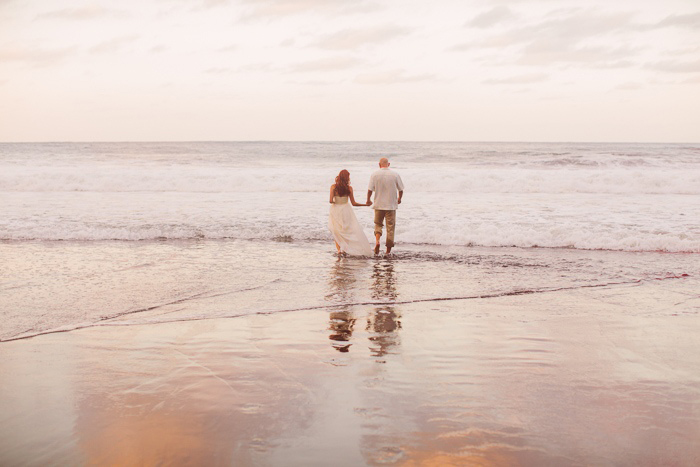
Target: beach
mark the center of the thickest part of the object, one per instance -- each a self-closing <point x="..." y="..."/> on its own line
<point x="182" y="304"/>
<point x="439" y="356"/>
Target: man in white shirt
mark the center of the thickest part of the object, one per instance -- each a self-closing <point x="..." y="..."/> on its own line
<point x="388" y="191"/>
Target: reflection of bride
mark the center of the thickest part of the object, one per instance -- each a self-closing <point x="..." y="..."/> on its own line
<point x="342" y="289"/>
<point x="347" y="232"/>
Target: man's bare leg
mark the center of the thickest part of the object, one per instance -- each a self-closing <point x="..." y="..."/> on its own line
<point x="377" y="246"/>
<point x="388" y="249"/>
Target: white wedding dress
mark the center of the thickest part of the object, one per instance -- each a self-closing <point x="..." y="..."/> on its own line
<point x="346" y="231"/>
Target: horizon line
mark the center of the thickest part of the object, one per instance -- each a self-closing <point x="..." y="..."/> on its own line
<point x="343" y="141"/>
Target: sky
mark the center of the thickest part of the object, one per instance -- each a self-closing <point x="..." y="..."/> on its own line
<point x="350" y="70"/>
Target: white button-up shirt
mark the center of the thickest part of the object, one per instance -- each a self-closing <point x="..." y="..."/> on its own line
<point x="385" y="184"/>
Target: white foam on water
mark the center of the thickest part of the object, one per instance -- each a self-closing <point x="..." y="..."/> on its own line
<point x="426" y="178"/>
<point x="630" y="198"/>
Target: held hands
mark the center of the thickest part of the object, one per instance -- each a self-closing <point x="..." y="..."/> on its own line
<point x="368" y="203"/>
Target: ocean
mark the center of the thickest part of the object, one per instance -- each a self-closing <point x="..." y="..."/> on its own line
<point x="624" y="197"/>
<point x="96" y="234"/>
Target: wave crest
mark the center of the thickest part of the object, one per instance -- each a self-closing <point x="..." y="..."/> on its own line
<point x="186" y="179"/>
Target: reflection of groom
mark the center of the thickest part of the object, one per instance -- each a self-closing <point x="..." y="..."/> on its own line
<point x="383" y="322"/>
<point x="385" y="183"/>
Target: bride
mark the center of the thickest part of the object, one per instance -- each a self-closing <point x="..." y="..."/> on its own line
<point x="347" y="232"/>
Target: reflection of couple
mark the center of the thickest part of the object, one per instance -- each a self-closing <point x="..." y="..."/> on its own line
<point x="383" y="321"/>
<point x="347" y="232"/>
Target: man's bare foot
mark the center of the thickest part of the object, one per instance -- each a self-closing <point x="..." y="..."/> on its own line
<point x="376" y="249"/>
<point x="388" y="250"/>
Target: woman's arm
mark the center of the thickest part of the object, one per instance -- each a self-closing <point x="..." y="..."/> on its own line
<point x="352" y="199"/>
<point x="332" y="193"/>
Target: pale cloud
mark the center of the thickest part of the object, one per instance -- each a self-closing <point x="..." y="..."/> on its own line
<point x="313" y="82"/>
<point x="113" y="45"/>
<point x="83" y="13"/>
<point x="360" y="7"/>
<point x="519" y="79"/>
<point x="683" y="51"/>
<point x="217" y="71"/>
<point x="543" y="52"/>
<point x="262" y="9"/>
<point x="156" y="49"/>
<point x="609" y="65"/>
<point x="492" y="17"/>
<point x="354" y="38"/>
<point x="194" y="5"/>
<point x="213" y="3"/>
<point x="570" y="27"/>
<point x="566" y="37"/>
<point x="675" y="66"/>
<point x="559" y="33"/>
<point x="35" y="56"/>
<point x="690" y="20"/>
<point x="391" y="77"/>
<point x="228" y="48"/>
<point x="629" y="86"/>
<point x="327" y="64"/>
<point x="257" y="67"/>
<point x="463" y="47"/>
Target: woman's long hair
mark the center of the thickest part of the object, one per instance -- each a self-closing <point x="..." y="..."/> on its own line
<point x="342" y="183"/>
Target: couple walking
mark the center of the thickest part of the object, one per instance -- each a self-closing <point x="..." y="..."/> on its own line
<point x="347" y="232"/>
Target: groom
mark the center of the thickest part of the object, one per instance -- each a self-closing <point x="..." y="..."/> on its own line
<point x="385" y="184"/>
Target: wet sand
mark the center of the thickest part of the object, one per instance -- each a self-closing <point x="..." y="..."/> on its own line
<point x="605" y="375"/>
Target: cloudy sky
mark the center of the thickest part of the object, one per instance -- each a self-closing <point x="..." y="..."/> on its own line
<point x="457" y="70"/>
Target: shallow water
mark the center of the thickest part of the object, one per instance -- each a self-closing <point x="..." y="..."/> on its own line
<point x="56" y="286"/>
<point x="367" y="365"/>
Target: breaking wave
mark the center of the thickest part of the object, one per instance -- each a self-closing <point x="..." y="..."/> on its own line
<point x="187" y="179"/>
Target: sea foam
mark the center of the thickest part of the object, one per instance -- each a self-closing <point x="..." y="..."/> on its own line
<point x="616" y="197"/>
<point x="187" y="179"/>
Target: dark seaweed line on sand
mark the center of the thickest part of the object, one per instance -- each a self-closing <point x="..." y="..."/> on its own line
<point x="102" y="322"/>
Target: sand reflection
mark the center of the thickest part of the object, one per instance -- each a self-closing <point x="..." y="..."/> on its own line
<point x="126" y="434"/>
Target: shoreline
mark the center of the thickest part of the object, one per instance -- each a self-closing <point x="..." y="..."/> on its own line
<point x="54" y="286"/>
<point x="325" y="241"/>
<point x="340" y="306"/>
